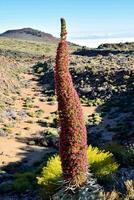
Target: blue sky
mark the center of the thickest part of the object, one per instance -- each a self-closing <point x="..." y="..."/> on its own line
<point x="85" y="18"/>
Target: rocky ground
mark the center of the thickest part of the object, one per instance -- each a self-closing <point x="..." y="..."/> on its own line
<point x="26" y="135"/>
<point x="23" y="122"/>
<point x="104" y="79"/>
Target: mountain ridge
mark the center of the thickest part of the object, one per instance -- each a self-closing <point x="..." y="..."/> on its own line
<point x="29" y="34"/>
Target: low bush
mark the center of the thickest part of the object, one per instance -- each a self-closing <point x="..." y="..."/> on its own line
<point x="50" y="178"/>
<point x="8" y="127"/>
<point x="51" y="99"/>
<point x="39" y="113"/>
<point x="53" y="120"/>
<point x="125" y="156"/>
<point x="28" y="103"/>
<point x="23" y="181"/>
<point x="2" y="105"/>
<point x="101" y="164"/>
<point x="95" y="119"/>
<point x="94" y="102"/>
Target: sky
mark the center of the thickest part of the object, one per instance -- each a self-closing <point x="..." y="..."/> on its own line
<point x="86" y="19"/>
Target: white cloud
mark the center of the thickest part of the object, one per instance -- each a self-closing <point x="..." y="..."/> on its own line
<point x="96" y="42"/>
<point x="102" y="35"/>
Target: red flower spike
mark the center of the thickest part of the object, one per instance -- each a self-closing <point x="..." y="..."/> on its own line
<point x="73" y="137"/>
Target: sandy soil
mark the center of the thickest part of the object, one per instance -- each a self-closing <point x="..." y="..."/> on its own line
<point x="13" y="148"/>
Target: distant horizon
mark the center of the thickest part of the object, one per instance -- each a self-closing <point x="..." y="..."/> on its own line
<point x="94" y="43"/>
<point x="91" y="41"/>
<point x="81" y="37"/>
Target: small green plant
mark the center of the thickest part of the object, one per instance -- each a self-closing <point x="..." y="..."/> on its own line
<point x="31" y="114"/>
<point x="28" y="103"/>
<point x="8" y="127"/>
<point x="125" y="156"/>
<point x="95" y="119"/>
<point x="51" y="100"/>
<point x="39" y="113"/>
<point x="51" y="175"/>
<point x="95" y="102"/>
<point x="23" y="181"/>
<point x="53" y="120"/>
<point x="2" y="171"/>
<point x="126" y="77"/>
<point x="92" y="102"/>
<point x="101" y="162"/>
<point x="51" y="131"/>
<point x="83" y="100"/>
<point x="43" y="122"/>
<point x="2" y="105"/>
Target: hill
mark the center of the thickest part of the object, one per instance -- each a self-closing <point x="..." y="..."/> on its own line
<point x="19" y="46"/>
<point x="29" y="34"/>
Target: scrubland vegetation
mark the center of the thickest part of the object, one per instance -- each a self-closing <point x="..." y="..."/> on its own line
<point x="30" y="165"/>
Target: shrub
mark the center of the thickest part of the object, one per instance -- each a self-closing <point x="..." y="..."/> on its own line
<point x="53" y="120"/>
<point x="39" y="113"/>
<point x="6" y="187"/>
<point x="23" y="181"/>
<point x="101" y="164"/>
<point x="28" y="102"/>
<point x="2" y="105"/>
<point x="125" y="156"/>
<point x="8" y="127"/>
<point x="21" y="185"/>
<point x="95" y="119"/>
<point x="51" y="174"/>
<point x="51" y="99"/>
<point x="95" y="102"/>
<point x="51" y="131"/>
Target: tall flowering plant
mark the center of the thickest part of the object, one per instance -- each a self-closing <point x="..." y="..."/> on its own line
<point x="73" y="137"/>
